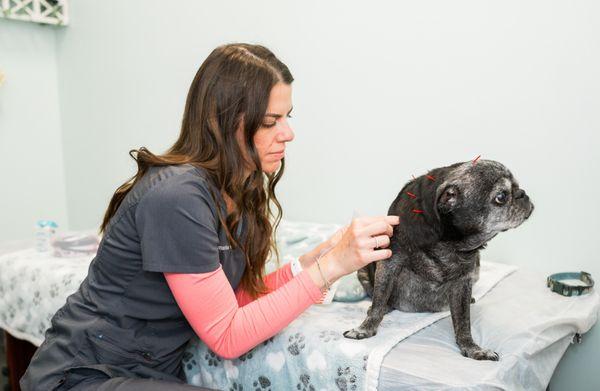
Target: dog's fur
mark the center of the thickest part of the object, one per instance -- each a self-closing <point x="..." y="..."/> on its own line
<point x="435" y="254"/>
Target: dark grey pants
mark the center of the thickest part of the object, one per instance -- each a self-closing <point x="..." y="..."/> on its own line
<point x="85" y="379"/>
<point x="130" y="384"/>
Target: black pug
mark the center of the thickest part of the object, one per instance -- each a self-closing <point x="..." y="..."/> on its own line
<point x="446" y="217"/>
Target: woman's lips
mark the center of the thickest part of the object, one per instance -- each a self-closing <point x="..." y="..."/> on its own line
<point x="278" y="155"/>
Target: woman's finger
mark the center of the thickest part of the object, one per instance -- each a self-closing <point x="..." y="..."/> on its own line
<point x="367" y="220"/>
<point x="377" y="228"/>
<point x="381" y="241"/>
<point x="378" y="255"/>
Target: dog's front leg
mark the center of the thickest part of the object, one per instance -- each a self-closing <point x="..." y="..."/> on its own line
<point x="384" y="283"/>
<point x="460" y="297"/>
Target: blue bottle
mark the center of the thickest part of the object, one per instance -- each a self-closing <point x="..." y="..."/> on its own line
<point x="45" y="230"/>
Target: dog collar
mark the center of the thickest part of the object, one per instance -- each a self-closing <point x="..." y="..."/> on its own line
<point x="555" y="283"/>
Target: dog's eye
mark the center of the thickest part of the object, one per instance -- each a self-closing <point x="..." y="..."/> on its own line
<point x="501" y="198"/>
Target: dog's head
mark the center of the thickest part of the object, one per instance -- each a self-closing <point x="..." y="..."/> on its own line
<point x="466" y="203"/>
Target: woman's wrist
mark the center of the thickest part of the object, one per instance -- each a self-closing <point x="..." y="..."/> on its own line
<point x="306" y="260"/>
<point x="324" y="272"/>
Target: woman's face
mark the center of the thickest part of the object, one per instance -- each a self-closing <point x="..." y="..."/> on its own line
<point x="271" y="138"/>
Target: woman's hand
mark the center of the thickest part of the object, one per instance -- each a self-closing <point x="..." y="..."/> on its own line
<point x="336" y="237"/>
<point x="306" y="260"/>
<point x="363" y="242"/>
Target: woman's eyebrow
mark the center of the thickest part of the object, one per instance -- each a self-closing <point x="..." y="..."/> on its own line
<point x="278" y="115"/>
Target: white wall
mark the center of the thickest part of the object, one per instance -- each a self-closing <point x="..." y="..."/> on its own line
<point x="383" y="90"/>
<point x="32" y="183"/>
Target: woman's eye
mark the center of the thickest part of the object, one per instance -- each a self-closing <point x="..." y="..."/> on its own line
<point x="501" y="198"/>
<point x="271" y="124"/>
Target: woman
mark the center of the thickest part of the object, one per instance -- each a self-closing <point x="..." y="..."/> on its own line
<point x="186" y="240"/>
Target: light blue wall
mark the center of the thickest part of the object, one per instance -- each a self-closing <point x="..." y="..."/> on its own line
<point x="32" y="183"/>
<point x="382" y="91"/>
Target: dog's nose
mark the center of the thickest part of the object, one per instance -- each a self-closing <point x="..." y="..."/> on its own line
<point x="520" y="194"/>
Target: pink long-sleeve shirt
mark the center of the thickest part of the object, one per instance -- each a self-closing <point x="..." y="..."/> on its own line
<point x="229" y="321"/>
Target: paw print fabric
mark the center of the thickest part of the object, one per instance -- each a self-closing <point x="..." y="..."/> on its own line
<point x="312" y="354"/>
<point x="33" y="286"/>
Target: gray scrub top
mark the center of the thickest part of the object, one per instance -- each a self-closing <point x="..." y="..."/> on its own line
<point x="123" y="320"/>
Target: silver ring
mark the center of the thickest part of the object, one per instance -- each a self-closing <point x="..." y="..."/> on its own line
<point x="376" y="242"/>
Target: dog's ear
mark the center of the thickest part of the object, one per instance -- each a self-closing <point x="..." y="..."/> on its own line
<point x="447" y="199"/>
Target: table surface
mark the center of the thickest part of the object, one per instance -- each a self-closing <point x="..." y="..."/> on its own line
<point x="521" y="319"/>
<point x="529" y="326"/>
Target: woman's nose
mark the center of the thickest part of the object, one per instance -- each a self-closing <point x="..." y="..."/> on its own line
<point x="286" y="132"/>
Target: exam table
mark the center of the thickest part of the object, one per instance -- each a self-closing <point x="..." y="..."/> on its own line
<point x="529" y="326"/>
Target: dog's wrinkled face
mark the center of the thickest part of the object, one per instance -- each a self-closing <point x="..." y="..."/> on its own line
<point x="482" y="199"/>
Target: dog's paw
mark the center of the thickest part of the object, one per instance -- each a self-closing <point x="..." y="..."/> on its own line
<point x="359" y="333"/>
<point x="478" y="353"/>
<point x="472" y="300"/>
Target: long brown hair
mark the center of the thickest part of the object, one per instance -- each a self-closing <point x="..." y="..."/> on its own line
<point x="230" y="89"/>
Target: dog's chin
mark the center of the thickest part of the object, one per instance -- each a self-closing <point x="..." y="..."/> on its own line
<point x="512" y="224"/>
<point x="523" y="216"/>
<point x="531" y="208"/>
